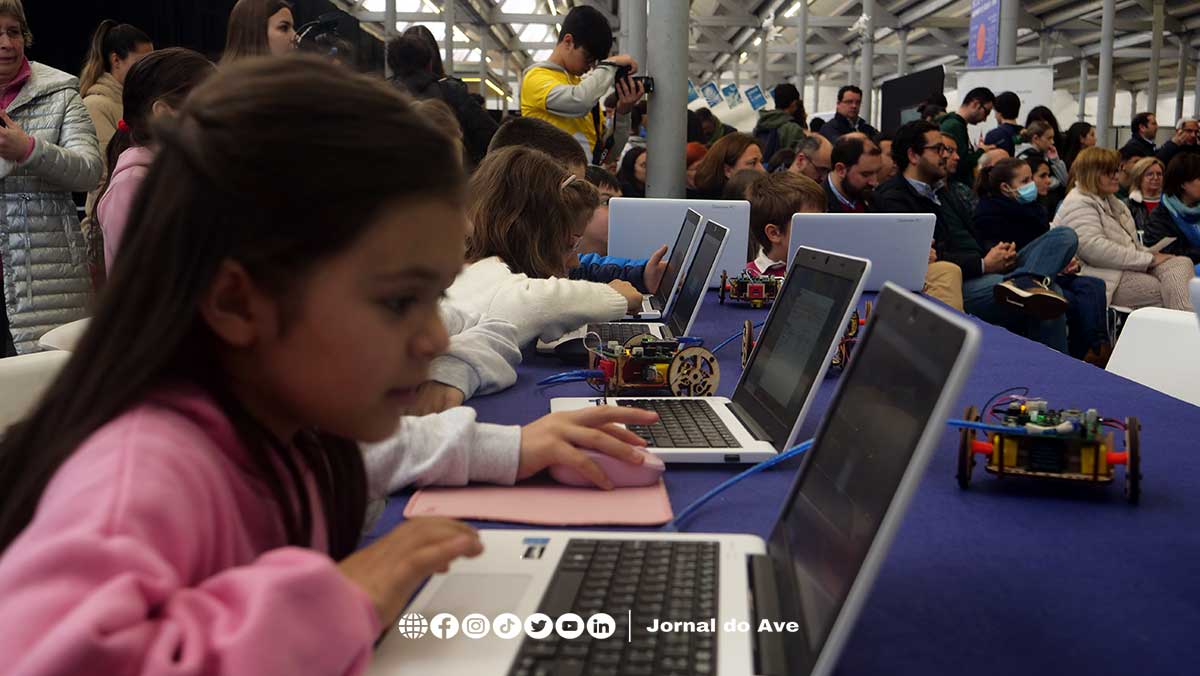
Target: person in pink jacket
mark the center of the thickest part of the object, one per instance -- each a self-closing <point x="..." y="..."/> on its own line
<point x="154" y="87"/>
<point x="188" y="497"/>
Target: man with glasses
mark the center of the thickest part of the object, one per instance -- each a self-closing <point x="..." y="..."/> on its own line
<point x="846" y="119"/>
<point x="975" y="108"/>
<point x="999" y="285"/>
<point x="556" y="91"/>
<point x="813" y="158"/>
<point x="1186" y="131"/>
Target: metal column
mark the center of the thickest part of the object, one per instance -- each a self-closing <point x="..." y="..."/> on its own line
<point x="1196" y="93"/>
<point x="816" y="93"/>
<point x="504" y="87"/>
<point x="1156" y="41"/>
<point x="1182" y="76"/>
<point x="1045" y="45"/>
<point x="666" y="165"/>
<point x="483" y="64"/>
<point x="868" y="60"/>
<point x="763" y="71"/>
<point x="633" y="23"/>
<point x="1083" y="85"/>
<point x="448" y="17"/>
<point x="737" y="70"/>
<point x="389" y="30"/>
<point x="802" y="49"/>
<point x="1104" y="104"/>
<point x="850" y="70"/>
<point x="1009" y="9"/>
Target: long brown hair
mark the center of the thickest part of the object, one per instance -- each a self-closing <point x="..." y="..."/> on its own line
<point x="110" y="38"/>
<point x="710" y="172"/>
<point x="234" y="178"/>
<point x="247" y="33"/>
<point x="524" y="208"/>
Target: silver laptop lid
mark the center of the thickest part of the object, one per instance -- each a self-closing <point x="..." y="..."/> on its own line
<point x="896" y="244"/>
<point x="793" y="351"/>
<point x="871" y="448"/>
<point x="678" y="256"/>
<point x="687" y="302"/>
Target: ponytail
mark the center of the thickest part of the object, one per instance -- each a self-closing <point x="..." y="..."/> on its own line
<point x="1034" y="130"/>
<point x="110" y="38"/>
<point x="993" y="176"/>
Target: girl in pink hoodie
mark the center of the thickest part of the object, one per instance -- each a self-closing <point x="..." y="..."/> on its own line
<point x="155" y="86"/>
<point x="188" y="496"/>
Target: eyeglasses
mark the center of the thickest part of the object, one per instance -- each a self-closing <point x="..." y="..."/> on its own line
<point x="939" y="148"/>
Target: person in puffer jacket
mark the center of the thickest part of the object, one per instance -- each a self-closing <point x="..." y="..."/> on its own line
<point x="48" y="150"/>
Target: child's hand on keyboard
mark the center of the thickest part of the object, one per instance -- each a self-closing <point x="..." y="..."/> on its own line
<point x="557" y="439"/>
<point x="632" y="295"/>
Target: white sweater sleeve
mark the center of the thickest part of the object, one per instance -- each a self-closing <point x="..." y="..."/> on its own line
<point x="578" y="100"/>
<point x="483" y="353"/>
<point x="449" y="449"/>
<point x="548" y="308"/>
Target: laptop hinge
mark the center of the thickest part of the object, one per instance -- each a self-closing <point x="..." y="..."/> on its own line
<point x="752" y="427"/>
<point x="769" y="655"/>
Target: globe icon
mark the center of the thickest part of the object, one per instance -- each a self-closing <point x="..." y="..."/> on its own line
<point x="413" y="625"/>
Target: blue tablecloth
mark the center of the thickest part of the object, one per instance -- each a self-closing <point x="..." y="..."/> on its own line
<point x="1007" y="577"/>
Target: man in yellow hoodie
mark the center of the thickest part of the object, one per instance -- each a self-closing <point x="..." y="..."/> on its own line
<point x="556" y="90"/>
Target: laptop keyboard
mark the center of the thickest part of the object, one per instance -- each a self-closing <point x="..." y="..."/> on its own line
<point x="682" y="423"/>
<point x="648" y="579"/>
<point x="619" y="332"/>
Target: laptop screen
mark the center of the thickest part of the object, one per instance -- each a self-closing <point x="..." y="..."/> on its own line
<point x="851" y="475"/>
<point x="675" y="260"/>
<point x="695" y="282"/>
<point x="804" y="322"/>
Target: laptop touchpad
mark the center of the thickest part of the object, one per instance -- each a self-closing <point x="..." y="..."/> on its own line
<point x="465" y="593"/>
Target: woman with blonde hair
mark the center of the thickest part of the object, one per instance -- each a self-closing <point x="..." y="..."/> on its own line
<point x="1145" y="189"/>
<point x="1108" y="243"/>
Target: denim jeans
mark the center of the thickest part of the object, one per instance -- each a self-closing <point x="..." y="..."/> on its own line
<point x="1045" y="256"/>
<point x="1087" y="313"/>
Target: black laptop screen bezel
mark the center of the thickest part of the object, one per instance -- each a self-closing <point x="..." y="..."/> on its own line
<point x="682" y="246"/>
<point x="679" y="316"/>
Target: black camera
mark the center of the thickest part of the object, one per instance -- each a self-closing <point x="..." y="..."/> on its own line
<point x="646" y="80"/>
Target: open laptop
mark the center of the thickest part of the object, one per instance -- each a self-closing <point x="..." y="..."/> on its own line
<point x="837" y="522"/>
<point x="782" y="376"/>
<point x="680" y="316"/>
<point x="637" y="225"/>
<point x="896" y="244"/>
<point x="655" y="304"/>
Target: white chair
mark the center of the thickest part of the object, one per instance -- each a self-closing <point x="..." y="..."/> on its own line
<point x="64" y="337"/>
<point x="23" y="379"/>
<point x="1195" y="286"/>
<point x="1160" y="349"/>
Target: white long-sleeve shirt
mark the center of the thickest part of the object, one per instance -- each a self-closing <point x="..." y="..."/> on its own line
<point x="539" y="308"/>
<point x="483" y="352"/>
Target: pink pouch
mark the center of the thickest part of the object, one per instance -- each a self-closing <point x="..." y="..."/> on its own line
<point x="543" y="503"/>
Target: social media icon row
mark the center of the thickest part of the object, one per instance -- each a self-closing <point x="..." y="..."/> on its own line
<point x="508" y="626"/>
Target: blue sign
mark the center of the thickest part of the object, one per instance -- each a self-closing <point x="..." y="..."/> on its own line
<point x="982" y="45"/>
<point x="733" y="98"/>
<point x="692" y="93"/>
<point x="755" y="96"/>
<point x="712" y="95"/>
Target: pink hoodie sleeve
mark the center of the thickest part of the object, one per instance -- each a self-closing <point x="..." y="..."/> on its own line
<point x="113" y="210"/>
<point x="124" y="570"/>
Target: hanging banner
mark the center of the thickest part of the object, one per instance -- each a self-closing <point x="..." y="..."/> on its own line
<point x="733" y="98"/>
<point x="712" y="95"/>
<point x="755" y="96"/>
<point x="692" y="93"/>
<point x="982" y="45"/>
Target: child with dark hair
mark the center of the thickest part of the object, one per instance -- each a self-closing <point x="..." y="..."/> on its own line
<point x="1007" y="133"/>
<point x="541" y="135"/>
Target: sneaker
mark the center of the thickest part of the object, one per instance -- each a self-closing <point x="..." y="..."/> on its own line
<point x="1031" y="294"/>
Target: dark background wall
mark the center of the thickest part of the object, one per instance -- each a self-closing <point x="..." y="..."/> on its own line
<point x="61" y="31"/>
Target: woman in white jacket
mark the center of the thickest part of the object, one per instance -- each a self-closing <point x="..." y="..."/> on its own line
<point x="527" y="215"/>
<point x="1108" y="243"/>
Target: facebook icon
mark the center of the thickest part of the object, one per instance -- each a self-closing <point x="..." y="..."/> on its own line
<point x="444" y="625"/>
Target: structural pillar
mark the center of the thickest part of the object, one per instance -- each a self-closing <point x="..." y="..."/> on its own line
<point x="903" y="54"/>
<point x="1156" y="41"/>
<point x="816" y="93"/>
<point x="1104" y="103"/>
<point x="389" y="31"/>
<point x="633" y="23"/>
<point x="1045" y="45"/>
<point x="802" y="49"/>
<point x="1182" y="76"/>
<point x="483" y="64"/>
<point x="868" y="60"/>
<point x="737" y="70"/>
<point x="851" y="71"/>
<point x="1083" y="86"/>
<point x="666" y="163"/>
<point x="1009" y="11"/>
<point x="448" y="16"/>
<point x="504" y="87"/>
<point x="1196" y="93"/>
<point x="764" y="72"/>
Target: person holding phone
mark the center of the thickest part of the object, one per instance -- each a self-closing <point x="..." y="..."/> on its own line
<point x="557" y="91"/>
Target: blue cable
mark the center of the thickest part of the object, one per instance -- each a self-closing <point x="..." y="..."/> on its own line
<point x="570" y="376"/>
<point x="762" y="466"/>
<point x="734" y="337"/>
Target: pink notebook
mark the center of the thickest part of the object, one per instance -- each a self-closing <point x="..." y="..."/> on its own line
<point x="544" y="503"/>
